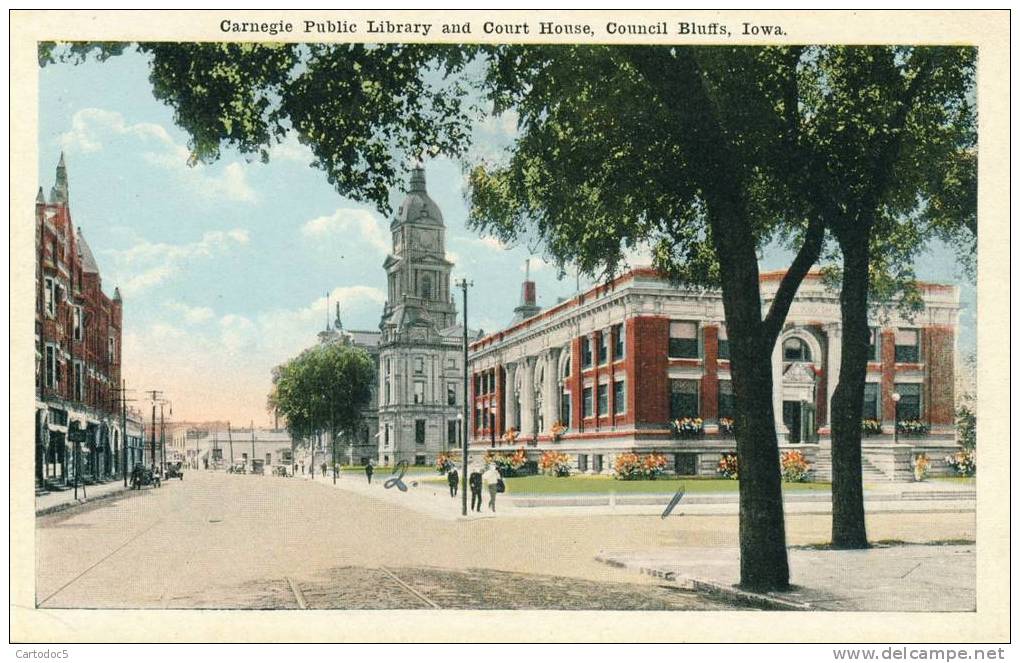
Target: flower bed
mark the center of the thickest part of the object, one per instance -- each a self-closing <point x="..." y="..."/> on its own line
<point x="795" y="466"/>
<point x="726" y="426"/>
<point x="507" y="464"/>
<point x="557" y="430"/>
<point x="510" y="436"/>
<point x="554" y="463"/>
<point x="963" y="462"/>
<point x="444" y="463"/>
<point x="921" y="465"/>
<point x="912" y="427"/>
<point x="871" y="427"/>
<point x="630" y="466"/>
<point x="688" y="427"/>
<point x="729" y="467"/>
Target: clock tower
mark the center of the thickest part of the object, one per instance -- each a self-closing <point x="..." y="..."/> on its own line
<point x="420" y="350"/>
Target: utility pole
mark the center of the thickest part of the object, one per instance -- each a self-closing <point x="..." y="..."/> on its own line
<point x="464" y="284"/>
<point x="230" y="441"/>
<point x="162" y="441"/>
<point x="252" y="423"/>
<point x="155" y="395"/>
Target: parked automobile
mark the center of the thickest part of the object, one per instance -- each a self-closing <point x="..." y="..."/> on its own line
<point x="142" y="476"/>
<point x="237" y="468"/>
<point x="175" y="471"/>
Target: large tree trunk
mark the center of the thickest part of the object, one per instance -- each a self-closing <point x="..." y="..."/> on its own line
<point x="848" y="527"/>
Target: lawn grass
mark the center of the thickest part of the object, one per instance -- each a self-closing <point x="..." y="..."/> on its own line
<point x="599" y="485"/>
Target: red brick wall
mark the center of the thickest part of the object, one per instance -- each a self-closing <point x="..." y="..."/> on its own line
<point x="710" y="380"/>
<point x="500" y="404"/>
<point x="650" y="383"/>
<point x="938" y="344"/>
<point x="575" y="385"/>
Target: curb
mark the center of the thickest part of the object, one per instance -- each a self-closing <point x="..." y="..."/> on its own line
<point x="63" y="506"/>
<point x="716" y="590"/>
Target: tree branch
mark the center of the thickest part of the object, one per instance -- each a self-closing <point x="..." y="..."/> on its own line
<point x="806" y="257"/>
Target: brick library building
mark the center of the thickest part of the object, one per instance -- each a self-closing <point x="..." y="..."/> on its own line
<point x="642" y="366"/>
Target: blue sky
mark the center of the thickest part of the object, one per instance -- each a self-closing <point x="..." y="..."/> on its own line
<point x="224" y="268"/>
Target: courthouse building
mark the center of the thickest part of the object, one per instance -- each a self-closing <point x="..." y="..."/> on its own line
<point x="610" y="371"/>
<point x="78" y="351"/>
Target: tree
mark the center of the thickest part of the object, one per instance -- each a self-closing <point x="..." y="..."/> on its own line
<point x="324" y="388"/>
<point x="889" y="134"/>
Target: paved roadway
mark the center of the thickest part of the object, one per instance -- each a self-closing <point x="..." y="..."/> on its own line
<point x="235" y="541"/>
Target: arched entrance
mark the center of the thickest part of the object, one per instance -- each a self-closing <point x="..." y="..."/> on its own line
<point x="800" y="350"/>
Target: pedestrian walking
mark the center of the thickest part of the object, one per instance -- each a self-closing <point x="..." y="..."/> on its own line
<point x="475" y="483"/>
<point x="323" y="468"/>
<point x="368" y="471"/>
<point x="453" y="478"/>
<point x="491" y="481"/>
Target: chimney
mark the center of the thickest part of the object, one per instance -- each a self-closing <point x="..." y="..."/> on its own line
<point x="528" y="305"/>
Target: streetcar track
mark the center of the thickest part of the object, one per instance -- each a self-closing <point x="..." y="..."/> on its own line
<point x="412" y="590"/>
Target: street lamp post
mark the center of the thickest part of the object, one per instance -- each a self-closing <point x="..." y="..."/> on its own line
<point x="896" y="417"/>
<point x="464" y="284"/>
<point x="492" y="426"/>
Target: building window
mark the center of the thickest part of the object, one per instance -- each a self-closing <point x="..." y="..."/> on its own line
<point x="451" y="363"/>
<point x="871" y="401"/>
<point x="419" y="365"/>
<point x="597" y="463"/>
<point x="586" y="401"/>
<point x="566" y="366"/>
<point x="726" y="408"/>
<point x="604" y="347"/>
<point x="582" y="462"/>
<point x="907" y="342"/>
<point x="419" y="460"/>
<point x="603" y="399"/>
<point x="419" y="392"/>
<point x="76" y="324"/>
<point x="387" y="391"/>
<point x="724" y="343"/>
<point x="451" y="432"/>
<point x="50" y="297"/>
<point x="910" y="405"/>
<point x="478" y="384"/>
<point x="619" y="397"/>
<point x="565" y="408"/>
<point x="79" y="381"/>
<point x="683" y="398"/>
<point x="451" y="393"/>
<point x="419" y="431"/>
<point x="426" y="286"/>
<point x="795" y="349"/>
<point x="874" y="348"/>
<point x="617" y="342"/>
<point x="585" y="352"/>
<point x="478" y="417"/>
<point x="52" y="367"/>
<point x="683" y="340"/>
<point x="111" y="348"/>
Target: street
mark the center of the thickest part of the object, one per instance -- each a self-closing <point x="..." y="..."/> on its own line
<point x="239" y="541"/>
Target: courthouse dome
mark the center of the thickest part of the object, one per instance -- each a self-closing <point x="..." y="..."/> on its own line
<point x="418" y="207"/>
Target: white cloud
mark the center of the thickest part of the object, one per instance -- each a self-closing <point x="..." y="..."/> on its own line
<point x="191" y="314"/>
<point x="353" y="226"/>
<point x="291" y="149"/>
<point x="91" y="126"/>
<point x="148" y="264"/>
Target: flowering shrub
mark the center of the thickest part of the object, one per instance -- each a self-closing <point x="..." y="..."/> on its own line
<point x="630" y="466"/>
<point x="728" y="466"/>
<point x="444" y="463"/>
<point x="921" y="465"/>
<point x="912" y="427"/>
<point x="555" y="463"/>
<point x="871" y="427"/>
<point x="507" y="464"/>
<point x="558" y="429"/>
<point x="688" y="427"/>
<point x="726" y="426"/>
<point x="511" y="435"/>
<point x="653" y="465"/>
<point x="963" y="462"/>
<point x="795" y="466"/>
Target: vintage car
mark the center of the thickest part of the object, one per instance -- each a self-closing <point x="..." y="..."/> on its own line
<point x="237" y="468"/>
<point x="175" y="471"/>
<point x="142" y="476"/>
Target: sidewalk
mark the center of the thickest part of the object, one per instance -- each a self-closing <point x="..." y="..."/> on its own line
<point x="901" y="578"/>
<point x="60" y="500"/>
<point x="433" y="499"/>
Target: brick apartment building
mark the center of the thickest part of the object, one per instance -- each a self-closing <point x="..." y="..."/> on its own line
<point x="78" y="350"/>
<point x="618" y="364"/>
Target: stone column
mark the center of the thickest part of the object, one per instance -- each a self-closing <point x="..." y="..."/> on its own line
<point x="528" y="398"/>
<point x="834" y="336"/>
<point x="509" y="397"/>
<point x="551" y="397"/>
<point x="777" y="388"/>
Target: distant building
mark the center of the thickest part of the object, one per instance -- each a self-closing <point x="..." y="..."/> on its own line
<point x="617" y="365"/>
<point x="421" y="345"/>
<point x="78" y="350"/>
